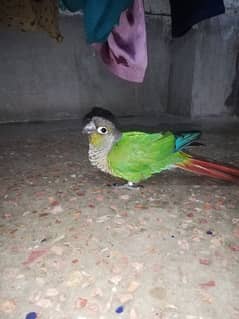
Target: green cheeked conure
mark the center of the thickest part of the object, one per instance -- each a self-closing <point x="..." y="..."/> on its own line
<point x="136" y="156"/>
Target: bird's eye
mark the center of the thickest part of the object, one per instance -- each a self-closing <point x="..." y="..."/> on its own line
<point x="102" y="130"/>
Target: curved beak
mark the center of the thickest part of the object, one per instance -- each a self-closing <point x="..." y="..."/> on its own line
<point x="89" y="128"/>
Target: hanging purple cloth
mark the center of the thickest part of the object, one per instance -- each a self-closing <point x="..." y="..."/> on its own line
<point x="125" y="51"/>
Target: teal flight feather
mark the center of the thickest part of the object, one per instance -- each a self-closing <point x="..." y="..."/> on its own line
<point x="185" y="139"/>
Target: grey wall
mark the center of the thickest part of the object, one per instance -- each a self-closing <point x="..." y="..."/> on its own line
<point x="43" y="80"/>
<point x="204" y="80"/>
<point x="204" y="72"/>
<point x="193" y="76"/>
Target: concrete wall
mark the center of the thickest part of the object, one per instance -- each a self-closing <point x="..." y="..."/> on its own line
<point x="43" y="80"/>
<point x="204" y="73"/>
<point x="195" y="75"/>
<point x="205" y="61"/>
<point x="157" y="7"/>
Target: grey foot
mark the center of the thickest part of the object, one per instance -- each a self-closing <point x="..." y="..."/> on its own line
<point x="128" y="185"/>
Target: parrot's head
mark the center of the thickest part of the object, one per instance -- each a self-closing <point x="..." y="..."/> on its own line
<point x="101" y="132"/>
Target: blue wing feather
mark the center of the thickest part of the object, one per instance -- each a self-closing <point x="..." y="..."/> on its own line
<point x="185" y="139"/>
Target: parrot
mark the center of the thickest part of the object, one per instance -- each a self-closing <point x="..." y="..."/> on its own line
<point x="135" y="156"/>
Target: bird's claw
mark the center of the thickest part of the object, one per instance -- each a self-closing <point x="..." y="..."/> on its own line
<point x="128" y="185"/>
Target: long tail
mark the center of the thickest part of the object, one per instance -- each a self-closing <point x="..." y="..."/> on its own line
<point x="203" y="167"/>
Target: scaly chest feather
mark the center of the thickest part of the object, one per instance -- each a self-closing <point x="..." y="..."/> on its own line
<point x="98" y="152"/>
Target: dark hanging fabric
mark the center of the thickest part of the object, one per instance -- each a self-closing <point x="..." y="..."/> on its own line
<point x="186" y="13"/>
<point x="100" y="16"/>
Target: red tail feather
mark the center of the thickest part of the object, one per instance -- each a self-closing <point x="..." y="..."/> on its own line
<point x="226" y="169"/>
<point x="214" y="170"/>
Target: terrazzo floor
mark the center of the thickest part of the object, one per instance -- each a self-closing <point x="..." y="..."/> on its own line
<point x="73" y="247"/>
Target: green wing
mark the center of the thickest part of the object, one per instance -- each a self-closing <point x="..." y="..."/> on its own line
<point x="137" y="155"/>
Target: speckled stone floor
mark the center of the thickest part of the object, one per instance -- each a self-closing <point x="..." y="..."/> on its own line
<point x="71" y="247"/>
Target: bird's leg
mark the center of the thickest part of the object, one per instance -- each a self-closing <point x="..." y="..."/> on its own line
<point x="129" y="185"/>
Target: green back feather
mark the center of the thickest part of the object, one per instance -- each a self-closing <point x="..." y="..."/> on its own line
<point x="137" y="155"/>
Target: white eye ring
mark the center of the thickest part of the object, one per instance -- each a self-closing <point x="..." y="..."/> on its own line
<point x="102" y="130"/>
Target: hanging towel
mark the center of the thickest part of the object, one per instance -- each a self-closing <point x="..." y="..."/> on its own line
<point x="186" y="13"/>
<point x="31" y="15"/>
<point x="125" y="51"/>
<point x="100" y="16"/>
